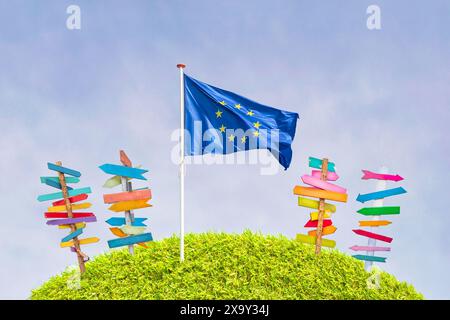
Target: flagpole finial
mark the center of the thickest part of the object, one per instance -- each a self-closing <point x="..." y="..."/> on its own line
<point x="180" y="65"/>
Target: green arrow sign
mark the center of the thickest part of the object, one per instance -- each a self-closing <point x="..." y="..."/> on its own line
<point x="379" y="211"/>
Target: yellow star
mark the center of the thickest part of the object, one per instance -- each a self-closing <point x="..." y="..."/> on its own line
<point x="243" y="139"/>
<point x="256" y="133"/>
<point x="257" y="124"/>
<point x="250" y="113"/>
<point x="238" y="106"/>
<point x="231" y="137"/>
<point x="223" y="103"/>
<point x="219" y="114"/>
<point x="222" y="128"/>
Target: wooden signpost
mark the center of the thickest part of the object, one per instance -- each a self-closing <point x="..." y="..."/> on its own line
<point x="62" y="210"/>
<point x="321" y="188"/>
<point x="129" y="229"/>
<point x="378" y="209"/>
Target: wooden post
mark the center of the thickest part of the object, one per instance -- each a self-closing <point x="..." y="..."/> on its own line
<point x="81" y="256"/>
<point x="321" y="209"/>
<point x="127" y="186"/>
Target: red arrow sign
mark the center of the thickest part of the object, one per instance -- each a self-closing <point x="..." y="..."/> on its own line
<point x="372" y="175"/>
<point x="372" y="235"/>
<point x="313" y="224"/>
<point x="77" y="198"/>
<point x="52" y="215"/>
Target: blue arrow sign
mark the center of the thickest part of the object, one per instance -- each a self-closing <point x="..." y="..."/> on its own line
<point x="123" y="171"/>
<point x="117" y="222"/>
<point x="317" y="163"/>
<point x="74" y="234"/>
<point x="58" y="195"/>
<point x="68" y="171"/>
<point x="380" y="194"/>
<point x="369" y="258"/>
<point x="120" y="242"/>
<point x="55" y="184"/>
<point x="56" y="179"/>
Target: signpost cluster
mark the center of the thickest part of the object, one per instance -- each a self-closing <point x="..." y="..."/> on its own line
<point x="62" y="212"/>
<point x="129" y="229"/>
<point x="320" y="188"/>
<point x="378" y="209"/>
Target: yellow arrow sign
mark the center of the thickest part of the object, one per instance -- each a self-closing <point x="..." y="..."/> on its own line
<point x="131" y="230"/>
<point x="313" y="204"/>
<point x="319" y="193"/>
<point x="129" y="205"/>
<point x="75" y="206"/>
<point x="312" y="240"/>
<point x="374" y="223"/>
<point x="315" y="215"/>
<point x="77" y="225"/>
<point x="82" y="241"/>
<point x="327" y="230"/>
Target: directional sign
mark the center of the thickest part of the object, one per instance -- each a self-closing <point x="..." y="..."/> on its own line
<point x="315" y="182"/>
<point x="374" y="223"/>
<point x="313" y="224"/>
<point x="72" y="235"/>
<point x="79" y="225"/>
<point x="124" y="159"/>
<point x="58" y="195"/>
<point x="318" y="193"/>
<point x="76" y="206"/>
<point x="133" y="230"/>
<point x="64" y="170"/>
<point x="317" y="163"/>
<point x="129" y="205"/>
<point x="369" y="258"/>
<point x="372" y="235"/>
<point x="120" y="242"/>
<point x="312" y="240"/>
<point x="71" y="220"/>
<point x="117" y="222"/>
<point x="380" y="194"/>
<point x="118" y="232"/>
<point x="123" y="171"/>
<point x="325" y="231"/>
<point x="371" y="175"/>
<point x="379" y="211"/>
<point x="112" y="182"/>
<point x="127" y="196"/>
<point x="313" y="204"/>
<point x="331" y="176"/>
<point x="56" y="179"/>
<point x="369" y="248"/>
<point x="57" y="215"/>
<point x="81" y="241"/>
<point x="77" y="198"/>
<point x="315" y="215"/>
<point x="55" y="184"/>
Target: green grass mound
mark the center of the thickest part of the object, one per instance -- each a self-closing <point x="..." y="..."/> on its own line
<point x="224" y="266"/>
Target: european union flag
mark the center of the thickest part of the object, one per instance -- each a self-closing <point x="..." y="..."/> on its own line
<point x="220" y="121"/>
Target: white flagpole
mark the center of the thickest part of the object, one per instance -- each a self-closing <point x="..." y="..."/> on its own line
<point x="182" y="167"/>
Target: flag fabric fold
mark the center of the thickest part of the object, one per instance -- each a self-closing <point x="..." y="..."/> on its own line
<point x="220" y="121"/>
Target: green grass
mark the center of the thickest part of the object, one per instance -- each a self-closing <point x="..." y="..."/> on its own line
<point x="225" y="266"/>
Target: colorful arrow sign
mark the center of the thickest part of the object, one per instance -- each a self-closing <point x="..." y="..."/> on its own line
<point x="372" y="235"/>
<point x="374" y="223"/>
<point x="132" y="230"/>
<point x="331" y="176"/>
<point x="369" y="258"/>
<point x="56" y="179"/>
<point x="78" y="206"/>
<point x="128" y="196"/>
<point x="313" y="204"/>
<point x="313" y="224"/>
<point x="379" y="211"/>
<point x="72" y="235"/>
<point x="315" y="182"/>
<point x="81" y="241"/>
<point x="325" y="231"/>
<point x="117" y="222"/>
<point x="129" y="205"/>
<point x="57" y="215"/>
<point x="64" y="170"/>
<point x="123" y="171"/>
<point x="77" y="198"/>
<point x="369" y="248"/>
<point x="380" y="194"/>
<point x="58" y="195"/>
<point x="318" y="193"/>
<point x="55" y="184"/>
<point x="120" y="242"/>
<point x="317" y="163"/>
<point x="315" y="215"/>
<point x="371" y="175"/>
<point x="312" y="240"/>
<point x="79" y="225"/>
<point x="71" y="221"/>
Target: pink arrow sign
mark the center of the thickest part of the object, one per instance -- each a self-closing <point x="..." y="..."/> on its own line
<point x="366" y="248"/>
<point x="372" y="175"/>
<point x="315" y="182"/>
<point x="372" y="235"/>
<point x="331" y="176"/>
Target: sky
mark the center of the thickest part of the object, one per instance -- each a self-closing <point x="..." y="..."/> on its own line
<point x="366" y="99"/>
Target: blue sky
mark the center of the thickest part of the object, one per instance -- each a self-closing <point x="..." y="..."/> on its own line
<point x="365" y="99"/>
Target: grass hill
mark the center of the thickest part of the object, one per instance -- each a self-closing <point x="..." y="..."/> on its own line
<point x="225" y="266"/>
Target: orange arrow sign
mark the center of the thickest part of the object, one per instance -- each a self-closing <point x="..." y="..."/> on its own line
<point x="325" y="231"/>
<point x="318" y="193"/>
<point x="374" y="223"/>
<point x="127" y="196"/>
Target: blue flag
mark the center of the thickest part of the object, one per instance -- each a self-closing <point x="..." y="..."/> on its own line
<point x="222" y="122"/>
